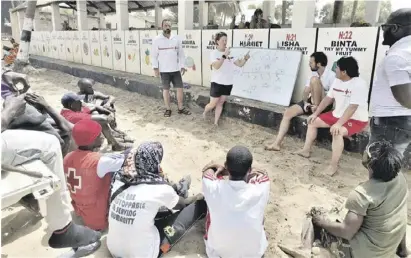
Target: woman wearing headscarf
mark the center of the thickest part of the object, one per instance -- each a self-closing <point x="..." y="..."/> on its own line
<point x="139" y="191"/>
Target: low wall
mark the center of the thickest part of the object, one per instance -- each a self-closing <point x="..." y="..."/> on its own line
<point x="255" y="112"/>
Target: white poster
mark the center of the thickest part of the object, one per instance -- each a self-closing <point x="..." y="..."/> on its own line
<point x="85" y="48"/>
<point x="42" y="43"/>
<point x="132" y="41"/>
<point x="54" y="45"/>
<point x="34" y="43"/>
<point x="119" y="56"/>
<point x="191" y="41"/>
<point x="146" y="39"/>
<point x="61" y="45"/>
<point x="69" y="45"/>
<point x="47" y="44"/>
<point x="257" y="38"/>
<point x="208" y="45"/>
<point x="356" y="42"/>
<point x="95" y="47"/>
<point x="296" y="39"/>
<point x="106" y="49"/>
<point x="77" y="47"/>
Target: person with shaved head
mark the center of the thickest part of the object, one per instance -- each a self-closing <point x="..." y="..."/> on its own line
<point x="390" y="104"/>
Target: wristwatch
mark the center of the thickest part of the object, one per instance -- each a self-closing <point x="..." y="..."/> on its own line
<point x="224" y="56"/>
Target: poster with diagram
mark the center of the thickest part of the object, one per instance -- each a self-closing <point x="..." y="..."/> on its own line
<point x="191" y="42"/>
<point x="119" y="56"/>
<point x="146" y="40"/>
<point x="69" y="45"/>
<point x="95" y="47"/>
<point x="106" y="49"/>
<point x="132" y="51"/>
<point x="61" y="45"/>
<point x="77" y="47"/>
<point x="85" y="48"/>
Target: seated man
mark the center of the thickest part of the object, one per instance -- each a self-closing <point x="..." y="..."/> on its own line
<point x="316" y="88"/>
<point x="136" y="227"/>
<point x="350" y="116"/>
<point x="90" y="96"/>
<point x="376" y="222"/>
<point x="74" y="112"/>
<point x="22" y="146"/>
<point x="235" y="219"/>
<point x="87" y="173"/>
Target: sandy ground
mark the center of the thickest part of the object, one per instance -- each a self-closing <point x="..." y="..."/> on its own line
<point x="190" y="142"/>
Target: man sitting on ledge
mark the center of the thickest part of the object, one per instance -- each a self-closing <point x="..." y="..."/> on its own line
<point x="316" y="88"/>
<point x="74" y="111"/>
<point x="350" y="115"/>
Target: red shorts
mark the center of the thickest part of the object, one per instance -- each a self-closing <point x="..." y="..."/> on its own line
<point x="352" y="126"/>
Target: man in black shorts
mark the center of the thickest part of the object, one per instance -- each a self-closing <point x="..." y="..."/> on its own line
<point x="317" y="85"/>
<point x="168" y="62"/>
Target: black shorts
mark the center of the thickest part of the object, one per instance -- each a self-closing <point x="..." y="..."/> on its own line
<point x="218" y="90"/>
<point x="171" y="77"/>
<point x="309" y="112"/>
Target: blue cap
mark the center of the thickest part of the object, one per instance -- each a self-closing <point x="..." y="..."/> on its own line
<point x="70" y="97"/>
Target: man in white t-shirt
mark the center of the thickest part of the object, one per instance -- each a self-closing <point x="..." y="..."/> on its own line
<point x="168" y="60"/>
<point x="316" y="88"/>
<point x="350" y="115"/>
<point x="391" y="92"/>
<point x="235" y="219"/>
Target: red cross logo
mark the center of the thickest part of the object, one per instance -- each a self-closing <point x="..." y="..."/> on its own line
<point x="347" y="91"/>
<point x="73" y="181"/>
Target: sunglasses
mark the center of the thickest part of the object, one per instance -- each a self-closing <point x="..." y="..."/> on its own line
<point x="393" y="26"/>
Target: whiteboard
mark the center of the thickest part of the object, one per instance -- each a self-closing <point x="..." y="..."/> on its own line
<point x="269" y="75"/>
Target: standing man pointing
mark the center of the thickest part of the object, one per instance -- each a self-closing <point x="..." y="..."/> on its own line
<point x="168" y="62"/>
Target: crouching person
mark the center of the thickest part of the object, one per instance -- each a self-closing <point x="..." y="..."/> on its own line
<point x="88" y="174"/>
<point x="139" y="191"/>
<point x="235" y="219"/>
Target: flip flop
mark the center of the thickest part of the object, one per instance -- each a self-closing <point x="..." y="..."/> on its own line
<point x="184" y="111"/>
<point x="167" y="113"/>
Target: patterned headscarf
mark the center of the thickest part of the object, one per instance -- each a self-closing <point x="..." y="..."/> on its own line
<point x="142" y="165"/>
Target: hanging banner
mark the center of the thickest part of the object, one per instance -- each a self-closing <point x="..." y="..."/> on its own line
<point x="191" y="41"/>
<point x="119" y="56"/>
<point x="132" y="41"/>
<point x="54" y="45"/>
<point x="69" y="45"/>
<point x="301" y="40"/>
<point x="207" y="46"/>
<point x="77" y="47"/>
<point x="106" y="49"/>
<point x="257" y="38"/>
<point x="85" y="48"/>
<point x="61" y="45"/>
<point x="146" y="40"/>
<point x="356" y="42"/>
<point x="95" y="47"/>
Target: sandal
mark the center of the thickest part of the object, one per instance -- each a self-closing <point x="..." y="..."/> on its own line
<point x="184" y="111"/>
<point x="167" y="113"/>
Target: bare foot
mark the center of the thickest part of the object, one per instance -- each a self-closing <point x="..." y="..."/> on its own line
<point x="303" y="153"/>
<point x="331" y="170"/>
<point x="272" y="147"/>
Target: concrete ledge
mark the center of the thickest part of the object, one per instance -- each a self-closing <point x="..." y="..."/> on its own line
<point x="255" y="112"/>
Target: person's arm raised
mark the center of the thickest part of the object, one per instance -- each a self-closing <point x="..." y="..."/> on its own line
<point x="241" y="62"/>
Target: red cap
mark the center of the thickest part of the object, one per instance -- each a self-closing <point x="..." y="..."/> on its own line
<point x="85" y="132"/>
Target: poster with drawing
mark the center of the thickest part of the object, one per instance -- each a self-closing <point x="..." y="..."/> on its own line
<point x="61" y="45"/>
<point x="257" y="38"/>
<point x="302" y="39"/>
<point x="95" y="47"/>
<point x="119" y="56"/>
<point x="208" y="45"/>
<point x="132" y="51"/>
<point x="85" y="48"/>
<point x="106" y="49"/>
<point x="146" y="39"/>
<point x="191" y="42"/>
<point x="69" y="45"/>
<point x="77" y="47"/>
<point x="356" y="42"/>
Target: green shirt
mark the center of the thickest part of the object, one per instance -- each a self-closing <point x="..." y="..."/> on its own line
<point x="384" y="207"/>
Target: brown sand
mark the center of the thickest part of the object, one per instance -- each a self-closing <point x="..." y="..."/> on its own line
<point x="189" y="142"/>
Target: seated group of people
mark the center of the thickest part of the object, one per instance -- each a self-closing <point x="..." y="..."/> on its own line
<point x="128" y="194"/>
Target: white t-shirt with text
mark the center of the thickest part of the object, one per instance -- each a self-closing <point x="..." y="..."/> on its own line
<point x="235" y="216"/>
<point x="225" y="74"/>
<point x="354" y="91"/>
<point x="131" y="231"/>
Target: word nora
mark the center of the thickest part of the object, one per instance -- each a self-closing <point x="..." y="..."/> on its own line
<point x="189" y="42"/>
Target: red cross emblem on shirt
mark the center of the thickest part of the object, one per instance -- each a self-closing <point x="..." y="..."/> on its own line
<point x="347" y="91"/>
<point x="73" y="181"/>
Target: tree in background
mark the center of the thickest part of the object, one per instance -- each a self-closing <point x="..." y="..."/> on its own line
<point x="22" y="59"/>
<point x="352" y="11"/>
<point x="283" y="11"/>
